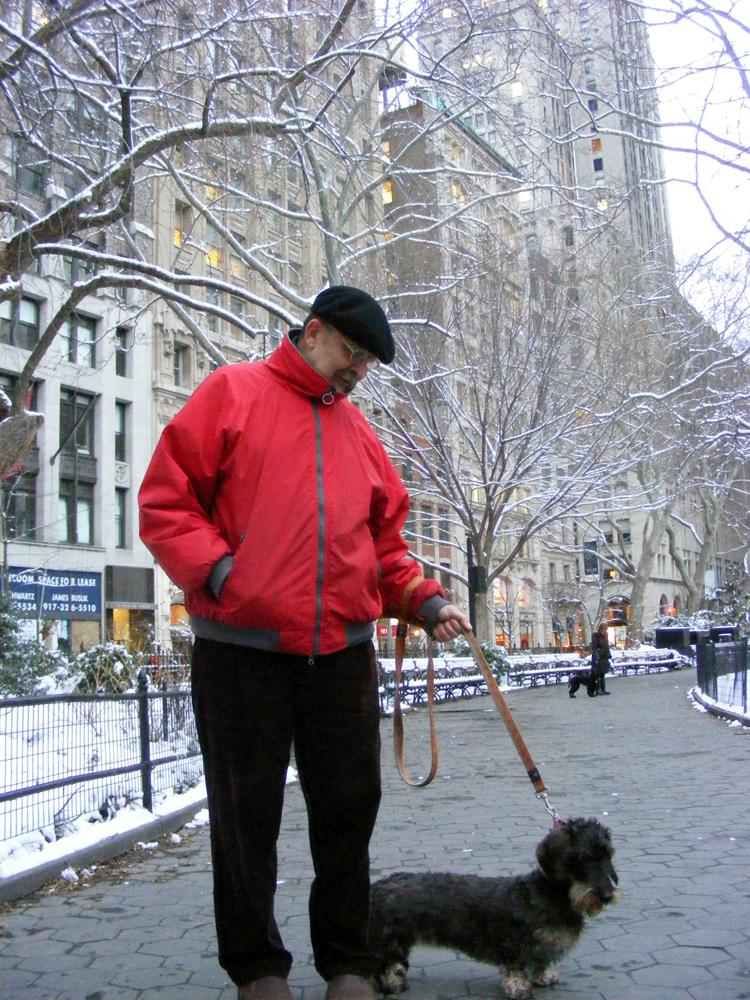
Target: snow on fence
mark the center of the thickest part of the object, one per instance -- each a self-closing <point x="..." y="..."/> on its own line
<point x="68" y="756"/>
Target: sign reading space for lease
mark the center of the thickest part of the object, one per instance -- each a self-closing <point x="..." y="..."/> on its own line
<point x="56" y="593"/>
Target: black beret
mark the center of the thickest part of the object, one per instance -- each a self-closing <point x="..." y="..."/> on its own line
<point x="359" y="317"/>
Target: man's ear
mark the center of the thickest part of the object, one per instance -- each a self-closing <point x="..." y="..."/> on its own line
<point x="311" y="332"/>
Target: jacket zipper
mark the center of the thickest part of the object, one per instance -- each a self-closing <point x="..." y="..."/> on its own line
<point x="321" y="531"/>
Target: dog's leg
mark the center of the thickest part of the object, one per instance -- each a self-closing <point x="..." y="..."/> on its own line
<point x="392" y="979"/>
<point x="394" y="965"/>
<point x="548" y="977"/>
<point x="517" y="985"/>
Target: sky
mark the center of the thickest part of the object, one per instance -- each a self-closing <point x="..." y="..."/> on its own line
<point x="697" y="85"/>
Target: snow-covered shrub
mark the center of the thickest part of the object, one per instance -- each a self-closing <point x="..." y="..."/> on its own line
<point x="109" y="667"/>
<point x="496" y="656"/>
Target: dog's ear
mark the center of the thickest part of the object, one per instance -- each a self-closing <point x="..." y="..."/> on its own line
<point x="551" y="851"/>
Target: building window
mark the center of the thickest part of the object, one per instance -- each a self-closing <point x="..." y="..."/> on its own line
<point x="19" y="506"/>
<point x="215" y="299"/>
<point x="76" y="422"/>
<point x="598" y="164"/>
<point x="237" y="306"/>
<point x="444" y="530"/>
<point x="387" y="192"/>
<point x="590" y="558"/>
<point x="77" y="467"/>
<point x="458" y="192"/>
<point x="77" y="512"/>
<point x="20" y="323"/>
<point x="427" y="523"/>
<point x="122" y="351"/>
<point x="79" y="339"/>
<point x="181" y="222"/>
<point x="29" y="167"/>
<point x="214" y="241"/>
<point x="80" y="269"/>
<point x="121" y="439"/>
<point x="295" y="275"/>
<point x="121" y="524"/>
<point x="596" y="145"/>
<point x="181" y="365"/>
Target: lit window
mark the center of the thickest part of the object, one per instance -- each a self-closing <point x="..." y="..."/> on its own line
<point x="602" y="204"/>
<point x="458" y="192"/>
<point x="387" y="192"/>
<point x="596" y="145"/>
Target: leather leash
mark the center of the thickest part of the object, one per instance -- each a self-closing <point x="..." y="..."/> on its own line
<point x="532" y="770"/>
<point x="398" y="721"/>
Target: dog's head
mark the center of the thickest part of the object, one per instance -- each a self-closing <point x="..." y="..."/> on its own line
<point x="578" y="854"/>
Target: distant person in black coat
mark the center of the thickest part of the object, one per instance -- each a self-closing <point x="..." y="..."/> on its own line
<point x="601" y="657"/>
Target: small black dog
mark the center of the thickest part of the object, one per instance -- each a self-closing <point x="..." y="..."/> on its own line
<point x="587" y="678"/>
<point x="524" y="923"/>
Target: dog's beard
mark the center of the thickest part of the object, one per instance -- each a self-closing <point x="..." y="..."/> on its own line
<point x="587" y="901"/>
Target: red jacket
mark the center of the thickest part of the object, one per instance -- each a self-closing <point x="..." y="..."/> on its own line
<point x="267" y="464"/>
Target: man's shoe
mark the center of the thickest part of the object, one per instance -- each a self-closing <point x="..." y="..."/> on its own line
<point x="267" y="988"/>
<point x="349" y="988"/>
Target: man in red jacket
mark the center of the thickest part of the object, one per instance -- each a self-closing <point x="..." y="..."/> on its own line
<point x="272" y="504"/>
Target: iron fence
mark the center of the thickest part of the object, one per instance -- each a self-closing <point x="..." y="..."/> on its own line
<point x="71" y="756"/>
<point x="722" y="673"/>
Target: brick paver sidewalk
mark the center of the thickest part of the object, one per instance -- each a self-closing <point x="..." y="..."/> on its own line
<point x="671" y="782"/>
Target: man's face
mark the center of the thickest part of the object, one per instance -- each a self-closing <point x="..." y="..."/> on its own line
<point x="335" y="357"/>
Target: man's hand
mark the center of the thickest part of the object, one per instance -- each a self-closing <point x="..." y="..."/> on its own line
<point x="451" y="622"/>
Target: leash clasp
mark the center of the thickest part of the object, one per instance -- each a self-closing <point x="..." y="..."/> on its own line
<point x="544" y="796"/>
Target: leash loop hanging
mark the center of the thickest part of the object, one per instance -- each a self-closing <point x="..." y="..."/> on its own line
<point x="398" y="721"/>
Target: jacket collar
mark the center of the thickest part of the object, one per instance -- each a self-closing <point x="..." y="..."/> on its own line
<point x="287" y="363"/>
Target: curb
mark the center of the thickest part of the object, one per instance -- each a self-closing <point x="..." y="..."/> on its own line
<point x="22" y="884"/>
<point x="722" y="713"/>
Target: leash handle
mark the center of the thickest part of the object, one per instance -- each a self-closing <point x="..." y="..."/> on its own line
<point x="398" y="722"/>
<point x="507" y="716"/>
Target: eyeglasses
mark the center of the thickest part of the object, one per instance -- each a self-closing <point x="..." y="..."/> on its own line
<point x="358" y="355"/>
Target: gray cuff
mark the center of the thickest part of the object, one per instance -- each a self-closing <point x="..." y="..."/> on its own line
<point x="218" y="575"/>
<point x="430" y="609"/>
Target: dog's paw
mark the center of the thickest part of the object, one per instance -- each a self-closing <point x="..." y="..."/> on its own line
<point x="517" y="986"/>
<point x="392" y="979"/>
<point x="546" y="978"/>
